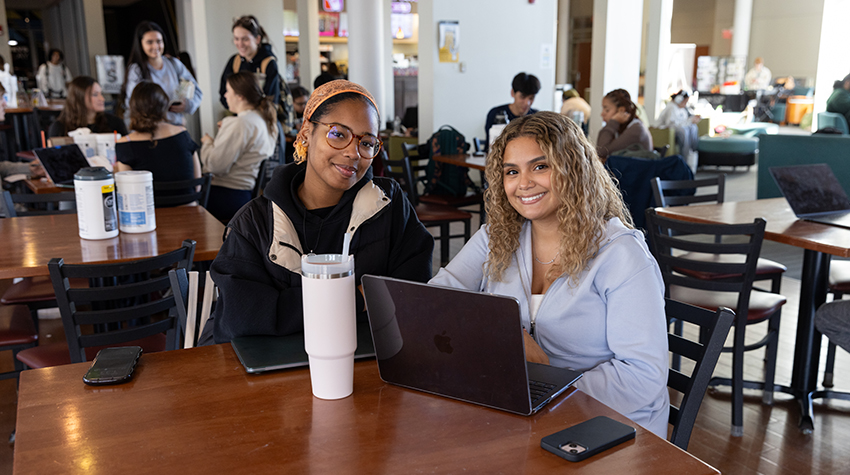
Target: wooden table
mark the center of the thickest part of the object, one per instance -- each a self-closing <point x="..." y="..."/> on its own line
<point x="462" y="160"/>
<point x="30" y="242"/>
<point x="197" y="411"/>
<point x="819" y="242"/>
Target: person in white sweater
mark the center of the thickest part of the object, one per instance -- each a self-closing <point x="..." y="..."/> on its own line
<point x="53" y="76"/>
<point x="243" y="142"/>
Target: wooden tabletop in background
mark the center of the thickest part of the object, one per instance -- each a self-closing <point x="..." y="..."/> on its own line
<point x="198" y="411"/>
<point x="30" y="242"/>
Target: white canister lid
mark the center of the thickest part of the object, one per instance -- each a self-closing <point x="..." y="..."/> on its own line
<point x="134" y="176"/>
<point x="92" y="174"/>
<point x="326" y="266"/>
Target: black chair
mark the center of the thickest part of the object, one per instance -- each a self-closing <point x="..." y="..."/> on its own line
<point x="17" y="333"/>
<point x="267" y="168"/>
<point x="669" y="238"/>
<point x="126" y="304"/>
<point x="765" y="268"/>
<point x="420" y="173"/>
<point x="430" y="214"/>
<point x="713" y="328"/>
<point x="167" y="194"/>
<point x="39" y="204"/>
<point x="839" y="284"/>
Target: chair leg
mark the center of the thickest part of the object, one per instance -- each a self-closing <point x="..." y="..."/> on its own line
<point x="467" y="230"/>
<point x="770" y="357"/>
<point x="444" y="244"/>
<point x="830" y="366"/>
<point x="738" y="379"/>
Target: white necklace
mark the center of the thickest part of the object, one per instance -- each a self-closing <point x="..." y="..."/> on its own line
<point x="547" y="263"/>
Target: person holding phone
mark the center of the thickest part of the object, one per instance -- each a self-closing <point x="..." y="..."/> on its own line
<point x="622" y="127"/>
<point x="164" y="149"/>
<point x="560" y="240"/>
<point x="148" y="63"/>
<point x="85" y="107"/>
<point x="307" y="207"/>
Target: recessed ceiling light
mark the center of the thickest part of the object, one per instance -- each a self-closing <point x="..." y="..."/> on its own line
<point x="13" y="43"/>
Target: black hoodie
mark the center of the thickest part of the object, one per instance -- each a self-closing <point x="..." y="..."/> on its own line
<point x="271" y="85"/>
<point x="260" y="295"/>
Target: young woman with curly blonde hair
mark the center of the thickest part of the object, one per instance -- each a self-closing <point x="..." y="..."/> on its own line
<point x="560" y="240"/>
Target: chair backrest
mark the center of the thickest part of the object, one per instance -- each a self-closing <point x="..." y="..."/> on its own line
<point x="681" y="192"/>
<point x="834" y="120"/>
<point x="418" y="163"/>
<point x="400" y="171"/>
<point x="670" y="238"/>
<point x="51" y="201"/>
<point x="174" y="193"/>
<point x="704" y="352"/>
<point x="264" y="175"/>
<point x="124" y="302"/>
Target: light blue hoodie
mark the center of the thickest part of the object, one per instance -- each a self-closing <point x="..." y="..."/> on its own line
<point x="610" y="324"/>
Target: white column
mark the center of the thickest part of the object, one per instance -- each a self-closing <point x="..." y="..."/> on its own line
<point x="833" y="58"/>
<point x="95" y="32"/>
<point x="427" y="59"/>
<point x="366" y="47"/>
<point x="615" y="54"/>
<point x="741" y="29"/>
<point x="196" y="13"/>
<point x="389" y="80"/>
<point x="562" y="42"/>
<point x="657" y="56"/>
<point x="5" y="51"/>
<point x="308" y="42"/>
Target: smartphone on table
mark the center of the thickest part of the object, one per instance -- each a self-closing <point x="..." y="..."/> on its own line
<point x="584" y="440"/>
<point x="113" y="365"/>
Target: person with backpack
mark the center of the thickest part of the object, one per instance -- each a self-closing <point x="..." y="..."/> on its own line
<point x="148" y="63"/>
<point x="254" y="54"/>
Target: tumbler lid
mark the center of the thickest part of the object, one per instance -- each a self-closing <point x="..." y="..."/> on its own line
<point x="92" y="174"/>
<point x="326" y="266"/>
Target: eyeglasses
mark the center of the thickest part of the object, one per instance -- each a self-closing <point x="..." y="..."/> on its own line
<point x="340" y="137"/>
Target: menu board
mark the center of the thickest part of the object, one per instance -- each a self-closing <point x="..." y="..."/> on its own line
<point x="715" y="71"/>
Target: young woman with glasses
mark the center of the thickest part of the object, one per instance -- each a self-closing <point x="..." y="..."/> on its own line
<point x="307" y="207"/>
<point x="244" y="140"/>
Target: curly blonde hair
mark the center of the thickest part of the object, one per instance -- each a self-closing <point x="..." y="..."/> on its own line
<point x="587" y="194"/>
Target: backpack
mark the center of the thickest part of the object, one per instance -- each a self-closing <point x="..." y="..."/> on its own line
<point x="444" y="178"/>
<point x="285" y="109"/>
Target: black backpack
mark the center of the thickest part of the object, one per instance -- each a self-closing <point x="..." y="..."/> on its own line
<point x="444" y="178"/>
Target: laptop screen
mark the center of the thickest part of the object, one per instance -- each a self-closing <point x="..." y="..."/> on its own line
<point x="449" y="342"/>
<point x="61" y="163"/>
<point x="811" y="189"/>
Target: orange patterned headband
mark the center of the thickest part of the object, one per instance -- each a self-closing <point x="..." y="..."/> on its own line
<point x="333" y="88"/>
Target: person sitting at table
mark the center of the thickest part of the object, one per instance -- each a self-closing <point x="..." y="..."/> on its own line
<point x="85" y="107"/>
<point x="307" y="207"/>
<point x="164" y="149"/>
<point x="53" y="76"/>
<point x="524" y="88"/>
<point x="839" y="100"/>
<point x="676" y="115"/>
<point x="622" y="127"/>
<point x="243" y="142"/>
<point x="560" y="240"/>
<point x="573" y="102"/>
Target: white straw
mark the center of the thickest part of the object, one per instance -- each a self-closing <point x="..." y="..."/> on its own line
<point x="346" y="241"/>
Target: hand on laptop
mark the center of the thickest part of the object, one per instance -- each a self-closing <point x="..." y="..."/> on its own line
<point x="533" y="352"/>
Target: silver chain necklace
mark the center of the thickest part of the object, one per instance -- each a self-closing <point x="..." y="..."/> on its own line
<point x="547" y="263"/>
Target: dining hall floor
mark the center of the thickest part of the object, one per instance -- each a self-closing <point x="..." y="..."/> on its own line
<point x="772" y="443"/>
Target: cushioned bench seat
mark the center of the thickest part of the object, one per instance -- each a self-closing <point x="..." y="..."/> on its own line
<point x="733" y="151"/>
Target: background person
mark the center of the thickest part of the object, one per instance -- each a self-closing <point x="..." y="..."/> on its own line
<point x="676" y="115"/>
<point x="147" y="63"/>
<point x="758" y="78"/>
<point x="839" y="100"/>
<point x="253" y="50"/>
<point x="524" y="88"/>
<point x="560" y="240"/>
<point x="573" y="102"/>
<point x="166" y="150"/>
<point x="85" y="107"/>
<point x="53" y="76"/>
<point x="622" y="127"/>
<point x="300" y="96"/>
<point x="243" y="142"/>
<point x="307" y="207"/>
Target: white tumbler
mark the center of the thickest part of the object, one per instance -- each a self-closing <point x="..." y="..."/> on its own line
<point x="330" y="327"/>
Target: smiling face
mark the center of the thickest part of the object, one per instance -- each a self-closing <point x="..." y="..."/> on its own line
<point x="153" y="45"/>
<point x="609" y="109"/>
<point x="527" y="180"/>
<point x="330" y="172"/>
<point x="245" y="42"/>
<point x="94" y="99"/>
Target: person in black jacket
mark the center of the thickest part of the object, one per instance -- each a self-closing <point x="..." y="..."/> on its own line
<point x="254" y="55"/>
<point x="307" y="207"/>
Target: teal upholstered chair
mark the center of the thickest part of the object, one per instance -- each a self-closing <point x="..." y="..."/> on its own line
<point x="836" y="121"/>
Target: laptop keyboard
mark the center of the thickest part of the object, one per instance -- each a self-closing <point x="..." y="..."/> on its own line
<point x="538" y="390"/>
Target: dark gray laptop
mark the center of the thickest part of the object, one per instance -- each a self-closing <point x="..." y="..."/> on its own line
<point x="263" y="353"/>
<point x="459" y="344"/>
<point x="814" y="193"/>
<point x="61" y="163"/>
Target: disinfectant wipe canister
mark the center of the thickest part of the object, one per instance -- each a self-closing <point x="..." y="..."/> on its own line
<point x="95" y="190"/>
<point x="135" y="201"/>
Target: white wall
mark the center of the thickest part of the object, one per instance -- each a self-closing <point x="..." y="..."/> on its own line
<point x="786" y="33"/>
<point x="5" y="51"/>
<point x="494" y="46"/>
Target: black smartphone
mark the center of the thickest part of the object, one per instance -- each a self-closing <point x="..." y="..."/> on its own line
<point x="588" y="438"/>
<point x="113" y="365"/>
